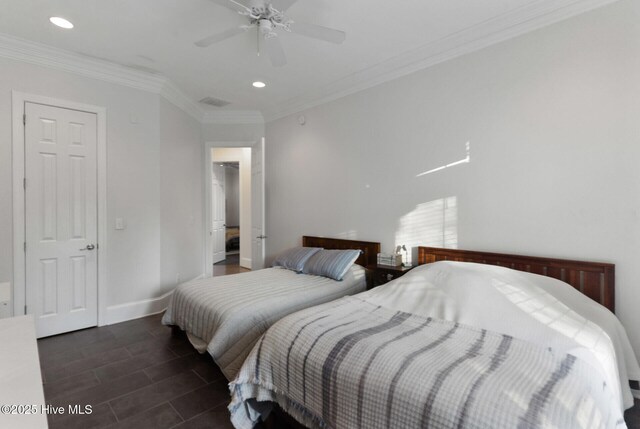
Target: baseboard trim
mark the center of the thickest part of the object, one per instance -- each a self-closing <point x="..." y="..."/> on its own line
<point x="135" y="310"/>
<point x="245" y="262"/>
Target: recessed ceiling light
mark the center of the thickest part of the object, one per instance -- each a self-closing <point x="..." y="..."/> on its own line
<point x="61" y="22"/>
<point x="259" y="84"/>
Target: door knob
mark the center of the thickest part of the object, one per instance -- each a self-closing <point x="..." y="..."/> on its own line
<point x="89" y="247"/>
<point x="261" y="237"/>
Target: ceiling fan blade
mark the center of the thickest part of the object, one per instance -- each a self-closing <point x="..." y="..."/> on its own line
<point x="283" y="5"/>
<point x="274" y="51"/>
<point x="318" y="32"/>
<point x="218" y="37"/>
<point x="236" y="5"/>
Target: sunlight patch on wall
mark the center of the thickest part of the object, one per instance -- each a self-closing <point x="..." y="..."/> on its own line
<point x="348" y="235"/>
<point x="434" y="223"/>
<point x="452" y="164"/>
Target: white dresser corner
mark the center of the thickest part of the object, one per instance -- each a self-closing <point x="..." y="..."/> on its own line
<point x="20" y="376"/>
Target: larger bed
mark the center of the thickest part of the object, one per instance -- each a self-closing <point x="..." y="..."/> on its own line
<point x="226" y="315"/>
<point x="451" y="344"/>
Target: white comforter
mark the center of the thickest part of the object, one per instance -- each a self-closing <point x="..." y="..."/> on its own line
<point x="539" y="309"/>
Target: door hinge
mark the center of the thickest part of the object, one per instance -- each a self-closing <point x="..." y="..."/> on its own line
<point x="25" y="309"/>
<point x="24" y="183"/>
<point x="24" y="119"/>
<point x="25" y="246"/>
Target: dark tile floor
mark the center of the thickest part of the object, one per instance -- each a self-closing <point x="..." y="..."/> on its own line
<point x="138" y="374"/>
<point x="632" y="416"/>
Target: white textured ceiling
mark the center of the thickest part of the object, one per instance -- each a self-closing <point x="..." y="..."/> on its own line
<point x="382" y="36"/>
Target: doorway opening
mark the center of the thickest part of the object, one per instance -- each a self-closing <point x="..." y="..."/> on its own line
<point x="230" y="210"/>
<point x="220" y="158"/>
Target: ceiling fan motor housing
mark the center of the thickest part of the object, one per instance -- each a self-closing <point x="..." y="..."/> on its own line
<point x="266" y="28"/>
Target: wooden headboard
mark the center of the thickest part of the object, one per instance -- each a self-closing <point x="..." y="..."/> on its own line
<point x="594" y="279"/>
<point x="369" y="249"/>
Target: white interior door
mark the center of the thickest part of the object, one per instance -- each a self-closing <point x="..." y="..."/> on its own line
<point x="218" y="213"/>
<point x="61" y="218"/>
<point x="257" y="206"/>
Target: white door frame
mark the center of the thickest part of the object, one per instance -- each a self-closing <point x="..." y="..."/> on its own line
<point x="208" y="245"/>
<point x="258" y="236"/>
<point x="18" y="99"/>
<point x="222" y="184"/>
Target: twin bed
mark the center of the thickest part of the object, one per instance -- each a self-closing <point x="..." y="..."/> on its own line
<point x="449" y="344"/>
<point x="226" y="315"/>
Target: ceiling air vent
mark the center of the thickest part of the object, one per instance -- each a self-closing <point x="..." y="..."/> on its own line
<point x="214" y="102"/>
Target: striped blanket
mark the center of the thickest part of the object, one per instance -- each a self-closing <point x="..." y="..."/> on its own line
<point x="352" y="364"/>
<point x="227" y="315"/>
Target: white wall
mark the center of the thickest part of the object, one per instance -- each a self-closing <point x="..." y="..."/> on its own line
<point x="242" y="155"/>
<point x="181" y="188"/>
<point x="138" y="164"/>
<point x="552" y="122"/>
<point x="232" y="132"/>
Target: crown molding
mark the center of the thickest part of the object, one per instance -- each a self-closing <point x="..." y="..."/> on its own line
<point x="48" y="56"/>
<point x="507" y="26"/>
<point x="174" y="95"/>
<point x="246" y="117"/>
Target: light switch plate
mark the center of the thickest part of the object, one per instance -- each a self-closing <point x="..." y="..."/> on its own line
<point x="119" y="223"/>
<point x="5" y="309"/>
<point x="5" y="291"/>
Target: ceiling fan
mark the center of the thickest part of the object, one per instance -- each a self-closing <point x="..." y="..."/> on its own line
<point x="267" y="19"/>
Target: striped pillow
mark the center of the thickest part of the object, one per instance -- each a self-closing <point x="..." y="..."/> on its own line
<point x="331" y="263"/>
<point x="294" y="259"/>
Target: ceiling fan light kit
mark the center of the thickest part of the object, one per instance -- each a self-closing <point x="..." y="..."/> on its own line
<point x="268" y="20"/>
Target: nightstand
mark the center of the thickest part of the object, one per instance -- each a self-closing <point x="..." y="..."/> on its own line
<point x="382" y="274"/>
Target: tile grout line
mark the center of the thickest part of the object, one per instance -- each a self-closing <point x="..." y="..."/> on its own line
<point x="112" y="412"/>
<point x="177" y="412"/>
<point x="206" y="383"/>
